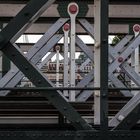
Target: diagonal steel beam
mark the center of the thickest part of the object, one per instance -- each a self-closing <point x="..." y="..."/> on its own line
<point x="127" y="110"/>
<point x="130" y="120"/>
<point x="125" y="54"/>
<point x="39" y="80"/>
<point x="40" y="65"/>
<point x="34" y="54"/>
<point x="24" y="19"/>
<point x="118" y="83"/>
<point x="89" y="77"/>
<point x="32" y="73"/>
<point x="84" y="64"/>
<point x="125" y="67"/>
<point x="85" y="94"/>
<point x="131" y="73"/>
<point x="129" y="107"/>
<point x="46" y="60"/>
<point x="87" y="26"/>
<point x="13" y="77"/>
<point x="84" y="48"/>
<point x="115" y="80"/>
<point x="85" y="81"/>
<point x="118" y="48"/>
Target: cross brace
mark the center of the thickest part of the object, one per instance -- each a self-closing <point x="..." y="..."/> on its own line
<point x="8" y="36"/>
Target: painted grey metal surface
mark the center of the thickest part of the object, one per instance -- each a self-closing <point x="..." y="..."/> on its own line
<point x="13" y="77"/>
<point x="84" y="48"/>
<point x="27" y="15"/>
<point x="35" y="54"/>
<point x="29" y="69"/>
<point x="125" y="54"/>
<point x="87" y="26"/>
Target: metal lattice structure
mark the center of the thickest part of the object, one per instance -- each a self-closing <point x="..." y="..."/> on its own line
<point x="97" y="83"/>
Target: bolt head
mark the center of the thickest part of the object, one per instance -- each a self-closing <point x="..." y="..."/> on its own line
<point x="120" y="59"/>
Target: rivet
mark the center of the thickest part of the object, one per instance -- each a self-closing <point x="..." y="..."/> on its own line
<point x="104" y="41"/>
<point x="128" y="135"/>
<point x="120" y="59"/>
<point x="96" y="135"/>
<point x="103" y="95"/>
<point x="8" y="135"/>
<point x="128" y="122"/>
<point x="122" y="135"/>
<point x="14" y="135"/>
<point x="26" y="68"/>
<point x="78" y="135"/>
<point x="26" y="14"/>
<point x="65" y="108"/>
<point x="13" y="55"/>
<point x="59" y="135"/>
<point x="1" y="39"/>
<point x="39" y="81"/>
<point x="21" y="135"/>
<point x="77" y="121"/>
<point x="91" y="135"/>
<point x="52" y="96"/>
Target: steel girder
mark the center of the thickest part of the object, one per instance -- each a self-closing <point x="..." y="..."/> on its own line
<point x="9" y="35"/>
<point x="40" y="65"/>
<point x="103" y="31"/>
<point x="126" y="117"/>
<point x="124" y="55"/>
<point x="89" y="53"/>
<point x="130" y="120"/>
<point x="69" y="135"/>
<point x="46" y="43"/>
<point x="86" y="94"/>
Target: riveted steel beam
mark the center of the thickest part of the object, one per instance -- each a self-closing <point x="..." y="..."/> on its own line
<point x="15" y="134"/>
<point x="13" y="77"/>
<point x="40" y="65"/>
<point x="125" y="54"/>
<point x="27" y="15"/>
<point x="84" y="48"/>
<point x="104" y="11"/>
<point x="85" y="81"/>
<point x="39" y="80"/>
<point x="114" y="51"/>
<point x="130" y="120"/>
<point x="36" y="77"/>
<point x="87" y="26"/>
<point x="34" y="54"/>
<point x="125" y="111"/>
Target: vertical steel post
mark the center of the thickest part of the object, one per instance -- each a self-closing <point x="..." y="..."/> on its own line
<point x="5" y="62"/>
<point x="57" y="65"/>
<point x="73" y="10"/>
<point x="66" y="29"/>
<point x="97" y="36"/>
<point x="1" y="25"/>
<point x="104" y="70"/>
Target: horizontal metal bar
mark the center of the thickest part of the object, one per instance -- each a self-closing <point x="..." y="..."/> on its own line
<point x="66" y="88"/>
<point x="16" y="134"/>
